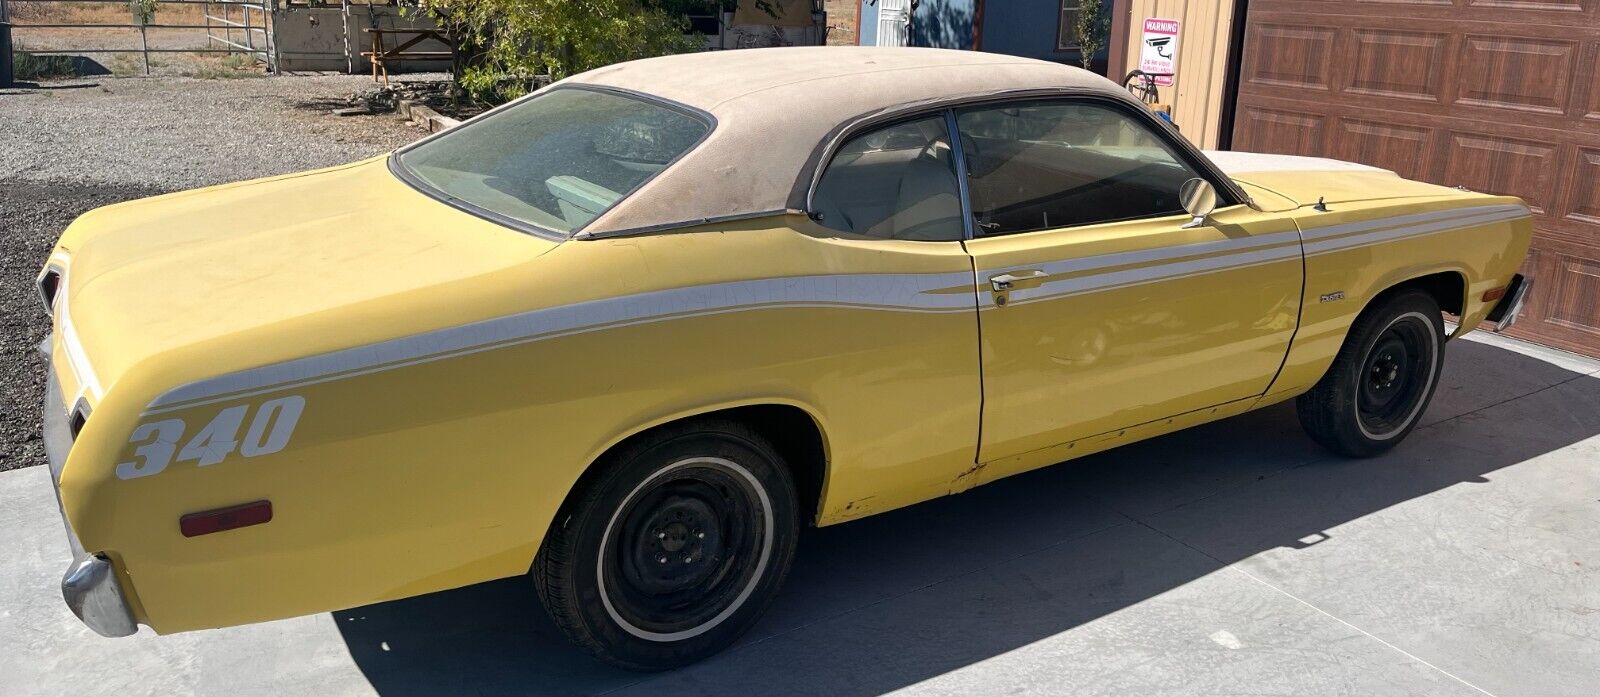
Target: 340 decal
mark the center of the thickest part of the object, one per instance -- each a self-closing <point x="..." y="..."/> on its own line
<point x="269" y="431"/>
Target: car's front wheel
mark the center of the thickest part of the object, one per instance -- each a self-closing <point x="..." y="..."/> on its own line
<point x="1382" y="379"/>
<point x="674" y="548"/>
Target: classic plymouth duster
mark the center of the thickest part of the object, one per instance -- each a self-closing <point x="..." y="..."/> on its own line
<point x="633" y="331"/>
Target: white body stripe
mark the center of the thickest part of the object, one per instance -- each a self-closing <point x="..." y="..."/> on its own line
<point x="937" y="293"/>
<point x="1163" y="254"/>
<point x="1263" y="252"/>
<point x="1143" y="275"/>
<point x="947" y="292"/>
<point x="1333" y="238"/>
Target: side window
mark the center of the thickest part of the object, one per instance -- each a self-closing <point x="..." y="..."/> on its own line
<point x="1041" y="165"/>
<point x="897" y="182"/>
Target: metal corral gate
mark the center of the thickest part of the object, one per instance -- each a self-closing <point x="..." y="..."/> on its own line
<point x="231" y="26"/>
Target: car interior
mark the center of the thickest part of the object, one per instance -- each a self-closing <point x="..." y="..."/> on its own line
<point x="558" y="161"/>
<point x="1030" y="167"/>
<point x="894" y="183"/>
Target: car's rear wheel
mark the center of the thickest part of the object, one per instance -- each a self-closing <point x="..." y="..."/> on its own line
<point x="1382" y="379"/>
<point x="674" y="548"/>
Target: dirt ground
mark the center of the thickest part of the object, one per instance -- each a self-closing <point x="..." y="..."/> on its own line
<point x="213" y="65"/>
<point x="74" y="145"/>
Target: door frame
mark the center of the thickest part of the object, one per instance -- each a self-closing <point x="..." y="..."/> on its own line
<point x="907" y="10"/>
<point x="1233" y="66"/>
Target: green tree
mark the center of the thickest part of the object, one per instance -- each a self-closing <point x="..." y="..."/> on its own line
<point x="144" y="11"/>
<point x="1092" y="29"/>
<point x="503" y="45"/>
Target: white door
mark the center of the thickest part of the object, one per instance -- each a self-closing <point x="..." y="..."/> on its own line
<point x="894" y="19"/>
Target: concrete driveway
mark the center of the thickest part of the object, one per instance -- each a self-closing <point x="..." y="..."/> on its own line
<point x="1236" y="558"/>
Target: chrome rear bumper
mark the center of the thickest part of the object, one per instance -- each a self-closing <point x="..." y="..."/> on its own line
<point x="90" y="585"/>
<point x="1505" y="312"/>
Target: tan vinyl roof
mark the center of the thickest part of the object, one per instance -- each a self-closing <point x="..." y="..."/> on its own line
<point x="773" y="106"/>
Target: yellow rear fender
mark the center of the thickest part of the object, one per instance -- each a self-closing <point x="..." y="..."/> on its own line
<point x="796" y="429"/>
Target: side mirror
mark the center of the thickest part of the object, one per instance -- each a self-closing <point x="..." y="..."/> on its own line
<point x="1199" y="198"/>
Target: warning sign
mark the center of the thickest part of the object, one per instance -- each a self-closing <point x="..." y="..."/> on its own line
<point x="1158" y="53"/>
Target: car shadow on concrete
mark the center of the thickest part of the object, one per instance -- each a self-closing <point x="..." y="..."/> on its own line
<point x="1029" y="557"/>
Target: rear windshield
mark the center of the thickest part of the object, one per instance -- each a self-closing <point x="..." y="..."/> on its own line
<point x="557" y="160"/>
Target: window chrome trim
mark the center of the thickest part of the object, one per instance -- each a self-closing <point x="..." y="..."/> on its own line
<point x="801" y="198"/>
<point x="404" y="174"/>
<point x="958" y="158"/>
<point x="943" y="114"/>
<point x="49" y="298"/>
<point x="1168" y="138"/>
<point x="681" y="224"/>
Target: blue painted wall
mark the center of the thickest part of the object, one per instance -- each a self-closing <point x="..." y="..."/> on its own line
<point x="1016" y="27"/>
<point x="944" y="24"/>
<point x="937" y="23"/>
<point x="1024" y="28"/>
<point x="867" y="29"/>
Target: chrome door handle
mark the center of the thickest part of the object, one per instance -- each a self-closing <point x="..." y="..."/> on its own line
<point x="1017" y="280"/>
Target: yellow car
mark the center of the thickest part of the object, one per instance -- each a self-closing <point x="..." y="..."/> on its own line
<point x="633" y="331"/>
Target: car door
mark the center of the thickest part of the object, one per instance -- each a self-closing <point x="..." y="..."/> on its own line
<point x="1100" y="308"/>
<point x="903" y="391"/>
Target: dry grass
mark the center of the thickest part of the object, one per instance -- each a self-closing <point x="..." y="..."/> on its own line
<point x="108" y="12"/>
<point x="129" y="39"/>
<point x="229" y="67"/>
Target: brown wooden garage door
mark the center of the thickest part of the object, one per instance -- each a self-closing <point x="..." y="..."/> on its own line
<point x="1500" y="96"/>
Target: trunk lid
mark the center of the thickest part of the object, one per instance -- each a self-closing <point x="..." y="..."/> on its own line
<point x="295" y="264"/>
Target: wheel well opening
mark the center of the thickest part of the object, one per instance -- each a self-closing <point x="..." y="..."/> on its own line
<point x="790" y="429"/>
<point x="798" y="439"/>
<point x="1448" y="289"/>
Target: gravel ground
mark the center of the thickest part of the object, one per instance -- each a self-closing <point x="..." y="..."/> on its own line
<point x="68" y="147"/>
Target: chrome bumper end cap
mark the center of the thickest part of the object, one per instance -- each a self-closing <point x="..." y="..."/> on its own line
<point x="1505" y="312"/>
<point x="93" y="594"/>
<point x="90" y="585"/>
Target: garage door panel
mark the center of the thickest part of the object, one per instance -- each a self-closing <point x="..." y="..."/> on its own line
<point x="1445" y="3"/>
<point x="1517" y="73"/>
<point x="1294" y="133"/>
<point x="1588" y="79"/>
<point x="1457" y="115"/>
<point x="1402" y="64"/>
<point x="1568" y="12"/>
<point x="1583" y="205"/>
<point x="1300" y="56"/>
<point x="1409" y="64"/>
<point x="1500" y="96"/>
<point x="1570" y="6"/>
<point x="1500" y="165"/>
<point x="1576" y="300"/>
<point x="1407" y="150"/>
<point x="1266" y="120"/>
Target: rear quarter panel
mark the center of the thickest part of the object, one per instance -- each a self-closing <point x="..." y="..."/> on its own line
<point x="411" y="476"/>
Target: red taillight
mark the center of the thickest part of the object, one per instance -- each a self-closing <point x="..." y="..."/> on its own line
<point x="243" y="515"/>
<point x="1496" y="294"/>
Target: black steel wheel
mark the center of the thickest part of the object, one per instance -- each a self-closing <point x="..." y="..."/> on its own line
<point x="685" y="549"/>
<point x="674" y="549"/>
<point x="1382" y="379"/>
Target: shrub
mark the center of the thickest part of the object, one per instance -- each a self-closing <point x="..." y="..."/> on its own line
<point x="1092" y="29"/>
<point x="28" y="66"/>
<point x="504" y="45"/>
